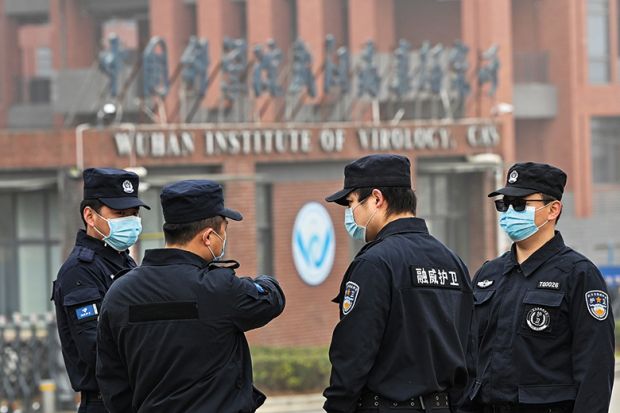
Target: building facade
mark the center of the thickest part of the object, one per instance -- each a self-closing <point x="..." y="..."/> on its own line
<point x="555" y="66"/>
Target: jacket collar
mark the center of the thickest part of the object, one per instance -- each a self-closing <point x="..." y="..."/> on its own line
<point x="173" y="256"/>
<point x="403" y="225"/>
<point x="98" y="246"/>
<point x="538" y="258"/>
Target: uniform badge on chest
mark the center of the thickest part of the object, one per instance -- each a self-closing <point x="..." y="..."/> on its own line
<point x="538" y="319"/>
<point x="351" y="292"/>
<point x="485" y="283"/>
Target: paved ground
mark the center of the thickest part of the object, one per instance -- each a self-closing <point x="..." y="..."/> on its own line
<point x="313" y="403"/>
<point x="615" y="395"/>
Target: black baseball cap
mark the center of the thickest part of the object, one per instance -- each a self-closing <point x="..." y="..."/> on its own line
<point x="195" y="199"/>
<point x="115" y="188"/>
<point x="384" y="170"/>
<point x="530" y="178"/>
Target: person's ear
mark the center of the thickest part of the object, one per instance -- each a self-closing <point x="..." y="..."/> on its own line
<point x="89" y="216"/>
<point x="205" y="235"/>
<point x="377" y="198"/>
<point x="554" y="210"/>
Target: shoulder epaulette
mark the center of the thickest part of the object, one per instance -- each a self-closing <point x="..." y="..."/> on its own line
<point x="86" y="255"/>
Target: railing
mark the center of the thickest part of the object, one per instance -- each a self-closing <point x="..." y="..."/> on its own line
<point x="30" y="357"/>
<point x="531" y="67"/>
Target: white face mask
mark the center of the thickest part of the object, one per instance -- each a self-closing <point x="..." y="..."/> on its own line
<point x="218" y="257"/>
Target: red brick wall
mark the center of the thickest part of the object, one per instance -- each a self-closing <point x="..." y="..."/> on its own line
<point x="73" y="35"/>
<point x="173" y="22"/>
<point x="420" y="20"/>
<point x="9" y="68"/>
<point x="310" y="316"/>
<point x="31" y="37"/>
<point x="240" y="195"/>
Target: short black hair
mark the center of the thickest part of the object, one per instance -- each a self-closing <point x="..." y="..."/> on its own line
<point x="181" y="234"/>
<point x="399" y="199"/>
<point x="93" y="204"/>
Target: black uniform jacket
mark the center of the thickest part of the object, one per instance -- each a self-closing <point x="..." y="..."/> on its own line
<point x="82" y="282"/>
<point x="546" y="332"/>
<point x="405" y="311"/>
<point x="171" y="336"/>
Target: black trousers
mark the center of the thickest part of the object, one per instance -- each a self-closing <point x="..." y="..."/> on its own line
<point x="92" y="407"/>
<point x="523" y="408"/>
<point x="91" y="403"/>
<point x="387" y="409"/>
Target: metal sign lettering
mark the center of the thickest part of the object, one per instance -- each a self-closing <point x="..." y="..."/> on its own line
<point x="234" y="67"/>
<point x="195" y="62"/>
<point x="302" y="76"/>
<point x="402" y="84"/>
<point x="266" y="69"/>
<point x="489" y="69"/>
<point x="434" y="78"/>
<point x="264" y="141"/>
<point x="369" y="81"/>
<point x="155" y="68"/>
<point x="111" y="63"/>
<point x="336" y="68"/>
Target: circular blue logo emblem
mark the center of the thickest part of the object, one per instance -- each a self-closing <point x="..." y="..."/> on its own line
<point x="314" y="243"/>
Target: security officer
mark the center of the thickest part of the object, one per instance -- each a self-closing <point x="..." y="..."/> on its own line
<point x="405" y="302"/>
<point x="110" y="213"/>
<point x="546" y="332"/>
<point x="171" y="334"/>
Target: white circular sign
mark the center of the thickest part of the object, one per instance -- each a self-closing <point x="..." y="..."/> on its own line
<point x="314" y="243"/>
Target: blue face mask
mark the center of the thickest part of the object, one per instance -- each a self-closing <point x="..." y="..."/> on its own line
<point x="218" y="257"/>
<point x="356" y="232"/>
<point x="520" y="225"/>
<point x="124" y="232"/>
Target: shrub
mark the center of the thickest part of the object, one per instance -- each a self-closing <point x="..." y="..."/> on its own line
<point x="291" y="369"/>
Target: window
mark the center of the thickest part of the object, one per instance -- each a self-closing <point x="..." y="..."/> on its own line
<point x="345" y="22"/>
<point x="152" y="235"/>
<point x="437" y="194"/>
<point x="293" y="17"/>
<point x="43" y="62"/>
<point x="242" y="13"/>
<point x="606" y="150"/>
<point x="598" y="41"/>
<point x="264" y="229"/>
<point x="30" y="253"/>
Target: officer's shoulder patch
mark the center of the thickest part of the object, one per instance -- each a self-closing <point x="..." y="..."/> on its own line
<point x="485" y="283"/>
<point x="351" y="291"/>
<point x="597" y="302"/>
<point x="86" y="255"/>
<point x="87" y="312"/>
